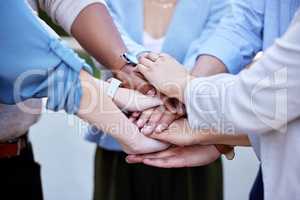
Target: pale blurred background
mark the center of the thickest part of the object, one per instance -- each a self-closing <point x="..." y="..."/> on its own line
<point x="67" y="161"/>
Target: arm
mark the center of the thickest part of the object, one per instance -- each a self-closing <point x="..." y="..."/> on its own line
<point x="260" y="99"/>
<point x="235" y="41"/>
<point x="130" y="78"/>
<point x="132" y="45"/>
<point x="85" y="20"/>
<point x="160" y="119"/>
<point x="46" y="68"/>
<point x="218" y="10"/>
<point x="181" y="134"/>
<point x="98" y="109"/>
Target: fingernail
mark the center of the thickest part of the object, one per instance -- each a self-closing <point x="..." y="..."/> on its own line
<point x="147" y="130"/>
<point x="140" y="123"/>
<point x="151" y="92"/>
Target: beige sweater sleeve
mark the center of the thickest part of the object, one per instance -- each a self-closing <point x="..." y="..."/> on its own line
<point x="258" y="100"/>
<point x="64" y="12"/>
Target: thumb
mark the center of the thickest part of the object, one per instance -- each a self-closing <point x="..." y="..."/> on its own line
<point x="143" y="70"/>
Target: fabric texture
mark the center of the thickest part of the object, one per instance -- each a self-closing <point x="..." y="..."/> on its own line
<point x="117" y="180"/>
<point x="45" y="66"/>
<point x="263" y="102"/>
<point x="15" y="122"/>
<point x="252" y="26"/>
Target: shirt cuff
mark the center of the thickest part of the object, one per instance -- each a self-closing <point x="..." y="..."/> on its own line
<point x="224" y="50"/>
<point x="65" y="89"/>
<point x="70" y="13"/>
<point x="193" y="116"/>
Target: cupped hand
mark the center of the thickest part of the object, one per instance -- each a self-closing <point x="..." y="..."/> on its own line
<point x="178" y="157"/>
<point x="156" y="68"/>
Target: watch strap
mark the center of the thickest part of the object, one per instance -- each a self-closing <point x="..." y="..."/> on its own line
<point x="113" y="87"/>
<point x="130" y="58"/>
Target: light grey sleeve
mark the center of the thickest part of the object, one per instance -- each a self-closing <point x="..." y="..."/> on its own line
<point x="263" y="98"/>
<point x="64" y="12"/>
<point x="14" y="121"/>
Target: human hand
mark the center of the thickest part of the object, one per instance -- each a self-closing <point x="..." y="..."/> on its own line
<point x="156" y="69"/>
<point x="140" y="144"/>
<point x="99" y="110"/>
<point x="181" y="134"/>
<point x="159" y="119"/>
<point x="132" y="100"/>
<point x="178" y="157"/>
<point x="132" y="79"/>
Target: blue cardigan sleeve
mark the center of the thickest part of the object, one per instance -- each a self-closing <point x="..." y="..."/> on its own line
<point x="218" y="9"/>
<point x="238" y="36"/>
<point x="33" y="63"/>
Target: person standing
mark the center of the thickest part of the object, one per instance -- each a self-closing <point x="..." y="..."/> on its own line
<point x="252" y="27"/>
<point x="181" y="26"/>
<point x="20" y="174"/>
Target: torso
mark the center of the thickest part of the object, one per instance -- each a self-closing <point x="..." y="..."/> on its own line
<point x="157" y="16"/>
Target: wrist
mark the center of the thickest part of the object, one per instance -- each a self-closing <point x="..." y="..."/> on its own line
<point x="182" y="83"/>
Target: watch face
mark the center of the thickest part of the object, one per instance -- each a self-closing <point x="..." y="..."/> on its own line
<point x="130" y="58"/>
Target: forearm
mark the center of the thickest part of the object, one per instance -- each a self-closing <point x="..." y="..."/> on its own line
<point x="95" y="31"/>
<point x="95" y="105"/>
<point x="98" y="109"/>
<point x="232" y="140"/>
<point x="207" y="65"/>
<point x="249" y="101"/>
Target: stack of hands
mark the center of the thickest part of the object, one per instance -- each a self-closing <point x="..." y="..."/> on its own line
<point x="161" y="116"/>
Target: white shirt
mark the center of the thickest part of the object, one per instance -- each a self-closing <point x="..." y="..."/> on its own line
<point x="153" y="44"/>
<point x="263" y="101"/>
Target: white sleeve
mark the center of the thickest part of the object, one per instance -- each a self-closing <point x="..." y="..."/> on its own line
<point x="64" y="12"/>
<point x="263" y="98"/>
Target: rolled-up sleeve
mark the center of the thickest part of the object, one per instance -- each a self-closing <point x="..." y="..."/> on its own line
<point x="64" y="12"/>
<point x="35" y="64"/>
<point x="238" y="36"/>
<point x="218" y="9"/>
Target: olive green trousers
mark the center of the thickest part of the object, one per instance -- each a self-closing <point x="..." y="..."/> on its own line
<point x="117" y="180"/>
